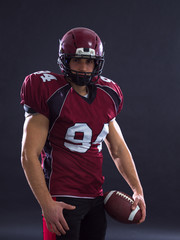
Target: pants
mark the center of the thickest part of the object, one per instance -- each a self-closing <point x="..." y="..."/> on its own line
<point x="86" y="222"/>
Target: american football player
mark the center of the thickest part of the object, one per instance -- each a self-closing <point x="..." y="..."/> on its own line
<point x="67" y="117"/>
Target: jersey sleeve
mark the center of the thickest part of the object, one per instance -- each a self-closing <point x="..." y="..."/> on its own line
<point x="114" y="91"/>
<point x="118" y="97"/>
<point x="33" y="95"/>
<point x="121" y="99"/>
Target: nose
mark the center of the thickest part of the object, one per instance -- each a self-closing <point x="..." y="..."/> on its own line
<point x="83" y="65"/>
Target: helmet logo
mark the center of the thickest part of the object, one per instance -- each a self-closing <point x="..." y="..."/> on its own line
<point x="85" y="51"/>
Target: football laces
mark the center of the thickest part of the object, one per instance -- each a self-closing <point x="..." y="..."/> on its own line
<point x="124" y="196"/>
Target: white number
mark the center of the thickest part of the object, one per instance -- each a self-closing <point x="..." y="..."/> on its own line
<point x="106" y="79"/>
<point x="46" y="77"/>
<point x="83" y="144"/>
<point x="100" y="138"/>
<point x="85" y="141"/>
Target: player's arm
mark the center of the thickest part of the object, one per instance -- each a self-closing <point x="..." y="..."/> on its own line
<point x="125" y="164"/>
<point x="34" y="136"/>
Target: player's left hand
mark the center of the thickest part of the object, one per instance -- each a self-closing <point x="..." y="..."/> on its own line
<point x="139" y="200"/>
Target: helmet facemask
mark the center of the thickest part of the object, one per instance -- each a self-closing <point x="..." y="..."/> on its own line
<point x="81" y="78"/>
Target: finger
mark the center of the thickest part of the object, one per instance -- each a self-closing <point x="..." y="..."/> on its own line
<point x="56" y="230"/>
<point x="49" y="226"/>
<point x="62" y="219"/>
<point x="60" y="228"/>
<point x="143" y="215"/>
<point x="68" y="206"/>
<point x="143" y="211"/>
<point x="135" y="203"/>
<point x="53" y="229"/>
<point x="63" y="223"/>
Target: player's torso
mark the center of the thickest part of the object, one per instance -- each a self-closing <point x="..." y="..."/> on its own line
<point x="78" y="125"/>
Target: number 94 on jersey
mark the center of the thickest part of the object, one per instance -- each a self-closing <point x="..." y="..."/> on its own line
<point x="83" y="145"/>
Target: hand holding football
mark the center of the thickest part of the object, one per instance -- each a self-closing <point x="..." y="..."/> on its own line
<point x="119" y="206"/>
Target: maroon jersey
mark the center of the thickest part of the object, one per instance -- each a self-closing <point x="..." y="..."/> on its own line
<point x="72" y="156"/>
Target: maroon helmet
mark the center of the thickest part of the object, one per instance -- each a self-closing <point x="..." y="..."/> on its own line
<point x="81" y="43"/>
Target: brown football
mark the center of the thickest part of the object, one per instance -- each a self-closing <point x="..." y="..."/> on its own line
<point x="118" y="205"/>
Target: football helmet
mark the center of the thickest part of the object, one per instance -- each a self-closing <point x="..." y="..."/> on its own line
<point x="81" y="43"/>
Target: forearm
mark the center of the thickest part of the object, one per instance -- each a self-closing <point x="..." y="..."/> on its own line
<point x="125" y="165"/>
<point x="35" y="177"/>
<point x="122" y="157"/>
<point x="35" y="132"/>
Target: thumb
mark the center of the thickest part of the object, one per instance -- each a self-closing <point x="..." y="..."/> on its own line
<point x="135" y="203"/>
<point x="68" y="206"/>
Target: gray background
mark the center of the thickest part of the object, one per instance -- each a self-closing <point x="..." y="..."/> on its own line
<point x="142" y="49"/>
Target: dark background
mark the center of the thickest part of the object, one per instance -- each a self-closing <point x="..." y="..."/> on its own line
<point x="142" y="49"/>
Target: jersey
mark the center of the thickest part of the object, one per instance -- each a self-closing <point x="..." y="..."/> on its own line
<point x="72" y="156"/>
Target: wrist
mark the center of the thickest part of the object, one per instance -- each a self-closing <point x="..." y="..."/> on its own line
<point x="46" y="202"/>
<point x="138" y="191"/>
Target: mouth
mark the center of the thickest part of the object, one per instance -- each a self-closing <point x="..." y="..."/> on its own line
<point x="83" y="74"/>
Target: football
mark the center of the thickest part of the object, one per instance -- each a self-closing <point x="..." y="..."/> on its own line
<point x="118" y="205"/>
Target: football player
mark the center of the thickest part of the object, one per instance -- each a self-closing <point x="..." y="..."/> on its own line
<point x="67" y="117"/>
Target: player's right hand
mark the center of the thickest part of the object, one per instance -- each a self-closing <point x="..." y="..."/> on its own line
<point x="55" y="220"/>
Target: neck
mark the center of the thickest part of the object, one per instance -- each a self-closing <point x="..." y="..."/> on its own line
<point x="81" y="90"/>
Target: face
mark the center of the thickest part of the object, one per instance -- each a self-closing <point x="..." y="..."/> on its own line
<point x="82" y="65"/>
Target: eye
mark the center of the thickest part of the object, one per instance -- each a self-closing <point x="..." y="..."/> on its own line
<point x="90" y="61"/>
<point x="75" y="60"/>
